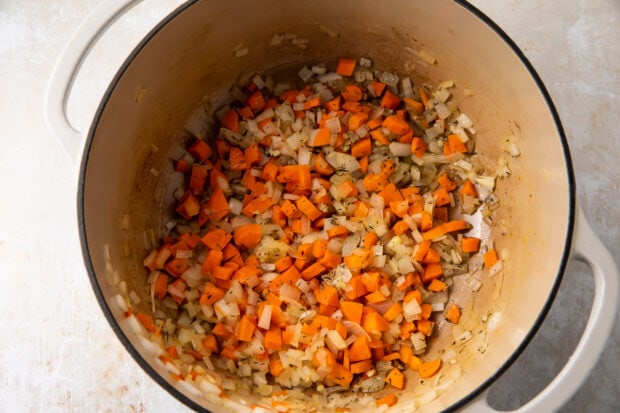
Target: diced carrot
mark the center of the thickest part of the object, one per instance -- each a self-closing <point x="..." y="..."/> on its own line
<point x="217" y="180"/>
<point x="333" y="105"/>
<point x="270" y="171"/>
<point x="399" y="208"/>
<point x="425" y="327"/>
<point x="446" y="183"/>
<point x="377" y="87"/>
<point x="273" y="339"/>
<point x="360" y="349"/>
<point x="413" y="295"/>
<point x="405" y="352"/>
<point x="248" y="235"/>
<point x="370" y="240"/>
<point x="359" y="259"/>
<point x="223" y="272"/>
<point x="218" y="205"/>
<point x="246" y="328"/>
<point x="216" y="239"/>
<point x="177" y="266"/>
<point x="424" y="97"/>
<point x="356" y="120"/>
<point x="469" y="189"/>
<point x="418" y="147"/>
<point x="447" y="148"/>
<point x="437" y="285"/>
<point x="348" y="189"/>
<point x="337" y="231"/>
<point x="440" y="214"/>
<point x="396" y="379"/>
<point x="181" y="165"/>
<point x="490" y="258"/>
<point x="352" y="310"/>
<point x="276" y="368"/>
<point x="212" y="260"/>
<point x="379" y="136"/>
<point x="363" y="161"/>
<point x="432" y="257"/>
<point x="211" y="294"/>
<point x="210" y="343"/>
<point x="430" y="368"/>
<point x="246" y="113"/>
<point x="237" y="160"/>
<point x="220" y="330"/>
<point x="374" y="182"/>
<point x="407" y="282"/>
<point x="321" y="321"/>
<point x="391" y="357"/>
<point x="431" y="272"/>
<point x="330" y="259"/>
<point x="441" y="197"/>
<point x="188" y="206"/>
<point x="341" y="376"/>
<point x="161" y="286"/>
<point x="147" y="321"/>
<point x="456" y="144"/>
<point x="453" y="314"/>
<point x="320" y="165"/>
<point x="396" y="125"/>
<point x="345" y="67"/>
<point x="390" y="101"/>
<point x="253" y="154"/>
<point x="360" y="367"/>
<point x="375" y="297"/>
<point x="375" y="323"/>
<point x="470" y="244"/>
<point x="327" y="295"/>
<point x="200" y="149"/>
<point x="313" y="271"/>
<point x="322" y="137"/>
<point x="312" y="103"/>
<point x="374" y="123"/>
<point x="256" y="101"/>
<point x="415" y="106"/>
<point x="323" y="357"/>
<point x="361" y="148"/>
<point x="307" y="207"/>
<point x="433" y="233"/>
<point x="231" y="120"/>
<point x="178" y="246"/>
<point x="388" y="400"/>
<point x="371" y="280"/>
<point x="421" y="250"/>
<point x="395" y="310"/>
<point x="297" y="176"/>
<point x="197" y="179"/>
<point x="455" y="225"/>
<point x="357" y="288"/>
<point x="352" y="93"/>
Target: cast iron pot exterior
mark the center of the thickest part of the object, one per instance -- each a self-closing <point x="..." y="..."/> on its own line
<point x="188" y="60"/>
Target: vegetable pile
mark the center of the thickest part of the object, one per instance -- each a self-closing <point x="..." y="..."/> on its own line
<point x="316" y="235"/>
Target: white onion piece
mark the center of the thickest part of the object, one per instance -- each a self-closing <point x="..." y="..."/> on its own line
<point x="265" y="320"/>
<point x="400" y="149"/>
<point x="343" y="162"/>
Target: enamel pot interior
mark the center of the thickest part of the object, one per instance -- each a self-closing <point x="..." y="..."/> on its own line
<point x="182" y="72"/>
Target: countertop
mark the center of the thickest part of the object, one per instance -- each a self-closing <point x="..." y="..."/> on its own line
<point x="58" y="353"/>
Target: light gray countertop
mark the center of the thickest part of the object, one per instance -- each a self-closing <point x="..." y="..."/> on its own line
<point x="58" y="352"/>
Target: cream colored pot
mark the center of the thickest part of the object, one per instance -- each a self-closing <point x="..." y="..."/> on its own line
<point x="188" y="62"/>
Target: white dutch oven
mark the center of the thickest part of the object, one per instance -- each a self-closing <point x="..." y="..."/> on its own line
<point x="189" y="58"/>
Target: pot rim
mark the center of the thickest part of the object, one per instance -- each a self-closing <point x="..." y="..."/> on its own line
<point x="195" y="406"/>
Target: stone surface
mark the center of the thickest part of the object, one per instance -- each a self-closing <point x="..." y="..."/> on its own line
<point x="58" y="353"/>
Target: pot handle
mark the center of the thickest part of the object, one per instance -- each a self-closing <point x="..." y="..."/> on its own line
<point x="67" y="67"/>
<point x="588" y="248"/>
